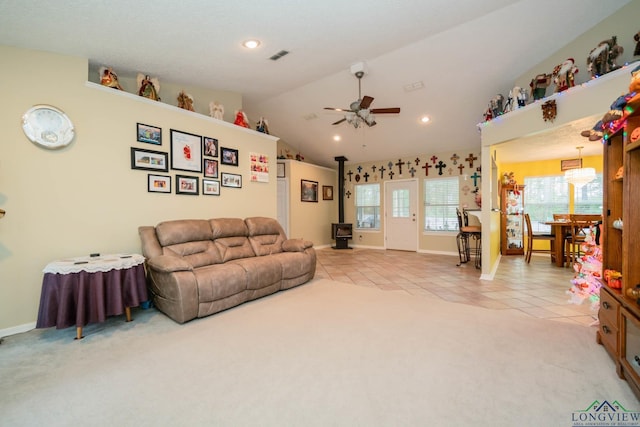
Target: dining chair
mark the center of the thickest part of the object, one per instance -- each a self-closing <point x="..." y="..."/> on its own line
<point x="580" y="226"/>
<point x="531" y="237"/>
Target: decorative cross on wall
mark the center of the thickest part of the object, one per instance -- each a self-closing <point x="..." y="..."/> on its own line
<point x="441" y="165"/>
<point x="412" y="171"/>
<point x="450" y="171"/>
<point x="433" y="159"/>
<point x="391" y="174"/>
<point x="470" y="159"/>
<point x="475" y="178"/>
<point x="366" y="177"/>
<point x="381" y="169"/>
<point x="349" y="173"/>
<point x="461" y="167"/>
<point x="390" y="165"/>
<point x="455" y="158"/>
<point x="426" y="169"/>
<point x="417" y="160"/>
<point x="399" y="165"/>
<point x="359" y="169"/>
<point x="357" y="177"/>
<point x="348" y="194"/>
<point x="373" y="168"/>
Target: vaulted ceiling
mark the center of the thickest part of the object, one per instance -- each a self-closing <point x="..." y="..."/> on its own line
<point x="441" y="58"/>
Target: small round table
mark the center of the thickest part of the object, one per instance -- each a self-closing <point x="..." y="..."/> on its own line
<point x="78" y="291"/>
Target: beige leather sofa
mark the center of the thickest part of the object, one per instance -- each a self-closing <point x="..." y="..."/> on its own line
<point x="198" y="267"/>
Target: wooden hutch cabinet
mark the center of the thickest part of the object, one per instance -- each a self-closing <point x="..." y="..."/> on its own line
<point x="619" y="315"/>
<point x="512" y="220"/>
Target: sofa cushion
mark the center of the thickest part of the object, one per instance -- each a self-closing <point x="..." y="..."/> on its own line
<point x="266" y="235"/>
<point x="220" y="281"/>
<point x="230" y="237"/>
<point x="261" y="272"/>
<point x="190" y="239"/>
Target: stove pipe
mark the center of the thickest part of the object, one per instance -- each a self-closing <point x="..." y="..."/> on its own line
<point x="341" y="160"/>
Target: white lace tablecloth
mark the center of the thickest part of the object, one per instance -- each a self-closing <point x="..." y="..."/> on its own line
<point x="97" y="264"/>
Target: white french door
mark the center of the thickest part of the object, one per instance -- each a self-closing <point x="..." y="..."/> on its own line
<point x="401" y="215"/>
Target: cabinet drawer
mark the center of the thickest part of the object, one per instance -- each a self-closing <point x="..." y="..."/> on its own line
<point x="609" y="307"/>
<point x="609" y="336"/>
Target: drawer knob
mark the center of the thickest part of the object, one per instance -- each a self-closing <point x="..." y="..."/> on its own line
<point x="606" y="305"/>
<point x="606" y="330"/>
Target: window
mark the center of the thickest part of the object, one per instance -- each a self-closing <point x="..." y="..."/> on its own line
<point x="588" y="198"/>
<point x="367" y="199"/>
<point x="544" y="196"/>
<point x="441" y="198"/>
<point x="400" y="203"/>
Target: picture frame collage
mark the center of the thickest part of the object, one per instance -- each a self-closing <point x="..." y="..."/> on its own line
<point x="188" y="152"/>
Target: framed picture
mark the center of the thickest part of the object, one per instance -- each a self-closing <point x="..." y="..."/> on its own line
<point x="229" y="156"/>
<point x="149" y="134"/>
<point x="327" y="192"/>
<point x="149" y="160"/>
<point x="231" y="180"/>
<point x="186" y="151"/>
<point x="187" y="185"/>
<point x="210" y="187"/>
<point x="210" y="168"/>
<point x="565" y="165"/>
<point x="159" y="184"/>
<point x="281" y="170"/>
<point x="210" y="147"/>
<point x="308" y="191"/>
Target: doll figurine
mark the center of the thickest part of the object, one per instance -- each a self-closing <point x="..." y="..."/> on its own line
<point x="109" y="78"/>
<point x="241" y="119"/>
<point x="216" y="110"/>
<point x="148" y="87"/>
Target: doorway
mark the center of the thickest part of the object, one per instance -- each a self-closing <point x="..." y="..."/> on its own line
<point x="400" y="212"/>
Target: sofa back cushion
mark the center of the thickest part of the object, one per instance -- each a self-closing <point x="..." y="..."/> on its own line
<point x="190" y="239"/>
<point x="266" y="235"/>
<point x="230" y="237"/>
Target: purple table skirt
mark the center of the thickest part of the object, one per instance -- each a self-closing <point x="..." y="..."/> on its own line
<point x="77" y="299"/>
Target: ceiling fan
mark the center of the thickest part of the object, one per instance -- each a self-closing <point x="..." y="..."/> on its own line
<point x="359" y="111"/>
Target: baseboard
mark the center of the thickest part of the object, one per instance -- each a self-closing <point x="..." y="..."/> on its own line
<point x="426" y="251"/>
<point x="17" y="329"/>
<point x="492" y="274"/>
<point x="380" y="248"/>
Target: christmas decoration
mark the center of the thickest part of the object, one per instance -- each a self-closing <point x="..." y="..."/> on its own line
<point x="602" y="58"/>
<point x="185" y="101"/>
<point x="564" y="75"/>
<point x="539" y="85"/>
<point x="549" y="111"/>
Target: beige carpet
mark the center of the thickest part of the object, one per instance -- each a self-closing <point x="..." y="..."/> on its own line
<point x="322" y="354"/>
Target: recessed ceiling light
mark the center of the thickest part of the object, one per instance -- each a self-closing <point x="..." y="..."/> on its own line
<point x="337" y="138"/>
<point x="251" y="44"/>
<point x="425" y="119"/>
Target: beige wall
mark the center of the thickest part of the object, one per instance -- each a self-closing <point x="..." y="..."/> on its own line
<point x="85" y="198"/>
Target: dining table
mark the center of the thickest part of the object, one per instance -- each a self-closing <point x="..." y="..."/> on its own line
<point x="559" y="228"/>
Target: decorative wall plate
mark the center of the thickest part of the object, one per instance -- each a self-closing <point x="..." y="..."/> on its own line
<point x="47" y="126"/>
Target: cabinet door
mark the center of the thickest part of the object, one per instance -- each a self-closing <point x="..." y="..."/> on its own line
<point x="513" y="220"/>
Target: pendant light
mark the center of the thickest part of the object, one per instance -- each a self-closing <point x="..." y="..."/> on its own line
<point x="580" y="176"/>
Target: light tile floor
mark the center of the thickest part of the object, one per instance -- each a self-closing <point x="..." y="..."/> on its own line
<point x="538" y="289"/>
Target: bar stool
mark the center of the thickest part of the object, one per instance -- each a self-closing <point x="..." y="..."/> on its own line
<point x="469" y="240"/>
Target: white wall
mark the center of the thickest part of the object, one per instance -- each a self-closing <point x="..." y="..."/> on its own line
<point x="85" y="198"/>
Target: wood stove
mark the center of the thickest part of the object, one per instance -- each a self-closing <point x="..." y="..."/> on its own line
<point x="341" y="232"/>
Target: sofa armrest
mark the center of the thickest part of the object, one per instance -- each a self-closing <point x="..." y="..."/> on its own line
<point x="168" y="264"/>
<point x="296" y="245"/>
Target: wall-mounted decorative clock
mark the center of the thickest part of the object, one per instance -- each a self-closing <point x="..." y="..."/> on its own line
<point x="47" y="126"/>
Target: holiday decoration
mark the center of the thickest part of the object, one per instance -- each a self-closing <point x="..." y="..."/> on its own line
<point x="148" y="87"/>
<point x="564" y="75"/>
<point x="636" y="37"/>
<point x="241" y="119"/>
<point x="109" y="78"/>
<point x="549" y="110"/>
<point x="588" y="271"/>
<point x="185" y="101"/>
<point x="216" y="110"/>
<point x="263" y="126"/>
<point x="539" y="85"/>
<point x="602" y="58"/>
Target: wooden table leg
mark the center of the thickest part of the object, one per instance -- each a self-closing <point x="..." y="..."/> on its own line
<point x="127" y="312"/>
<point x="79" y="333"/>
<point x="559" y="245"/>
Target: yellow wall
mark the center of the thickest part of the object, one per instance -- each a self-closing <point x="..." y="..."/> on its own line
<point x="85" y="197"/>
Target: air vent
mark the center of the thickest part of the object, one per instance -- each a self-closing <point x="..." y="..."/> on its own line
<point x="279" y="55"/>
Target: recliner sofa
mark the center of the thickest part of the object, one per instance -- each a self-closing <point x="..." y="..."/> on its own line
<point x="198" y="267"/>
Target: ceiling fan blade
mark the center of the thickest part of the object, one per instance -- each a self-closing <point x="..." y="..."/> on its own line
<point x="366" y="102"/>
<point x="339" y="121"/>
<point x="385" y="110"/>
<point x="344" y="110"/>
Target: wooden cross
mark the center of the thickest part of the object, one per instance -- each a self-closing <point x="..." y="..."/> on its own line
<point x="391" y="174"/>
<point x="349" y="173"/>
<point x="366" y="177"/>
<point x="381" y="169"/>
<point x="441" y="165"/>
<point x="470" y="159"/>
<point x="475" y="178"/>
<point x="373" y="168"/>
<point x="399" y="165"/>
<point x="434" y="158"/>
<point x="359" y="169"/>
<point x="426" y="169"/>
<point x="417" y="160"/>
<point x="450" y="171"/>
<point x="455" y="158"/>
<point x="348" y="193"/>
<point x="412" y="171"/>
<point x="390" y="165"/>
<point x="460" y="166"/>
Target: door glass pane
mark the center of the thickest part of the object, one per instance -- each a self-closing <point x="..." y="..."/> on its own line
<point x="400" y="203"/>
